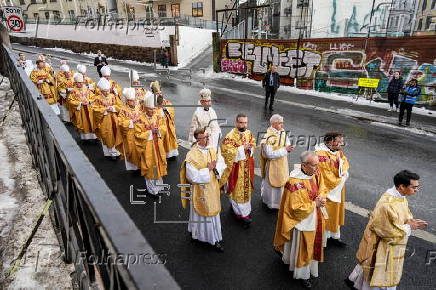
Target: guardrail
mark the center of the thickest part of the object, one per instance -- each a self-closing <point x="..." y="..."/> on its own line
<point x="88" y="219"/>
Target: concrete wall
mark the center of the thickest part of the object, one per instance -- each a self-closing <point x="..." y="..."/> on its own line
<point x="335" y="64"/>
<point x="115" y="35"/>
<point x="192" y="42"/>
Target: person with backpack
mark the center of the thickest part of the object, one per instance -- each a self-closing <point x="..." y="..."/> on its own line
<point x="394" y="89"/>
<point x="410" y="94"/>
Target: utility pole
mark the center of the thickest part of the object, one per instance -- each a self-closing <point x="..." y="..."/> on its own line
<point x="370" y="22"/>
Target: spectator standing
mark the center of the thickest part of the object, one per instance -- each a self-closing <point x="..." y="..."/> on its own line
<point x="410" y="95"/>
<point x="100" y="61"/>
<point x="394" y="90"/>
<point x="271" y="83"/>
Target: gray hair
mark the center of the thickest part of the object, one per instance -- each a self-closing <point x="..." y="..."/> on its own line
<point x="275" y="118"/>
<point x="306" y="155"/>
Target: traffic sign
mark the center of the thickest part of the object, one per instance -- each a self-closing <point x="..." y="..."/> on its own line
<point x="368" y="83"/>
<point x="13" y="18"/>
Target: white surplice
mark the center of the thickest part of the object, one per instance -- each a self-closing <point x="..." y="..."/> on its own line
<point x="335" y="195"/>
<point x="290" y="252"/>
<point x="208" y="120"/>
<point x="241" y="209"/>
<point x="109" y="151"/>
<point x="204" y="229"/>
<point x="272" y="196"/>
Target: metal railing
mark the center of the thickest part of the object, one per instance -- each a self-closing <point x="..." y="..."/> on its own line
<point x="87" y="217"/>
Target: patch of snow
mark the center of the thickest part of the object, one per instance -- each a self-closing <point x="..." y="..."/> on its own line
<point x="22" y="199"/>
<point x="408" y="129"/>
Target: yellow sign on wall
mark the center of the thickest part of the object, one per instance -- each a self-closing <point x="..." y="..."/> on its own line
<point x="368" y="83"/>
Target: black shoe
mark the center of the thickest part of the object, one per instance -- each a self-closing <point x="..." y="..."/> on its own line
<point x="407" y="124"/>
<point x="337" y="243"/>
<point x="306" y="284"/>
<point x="219" y="247"/>
<point x="171" y="158"/>
<point x="350" y="284"/>
<point x="400" y="124"/>
<point x="278" y="253"/>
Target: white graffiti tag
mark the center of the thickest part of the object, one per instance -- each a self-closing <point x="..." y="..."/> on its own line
<point x="292" y="63"/>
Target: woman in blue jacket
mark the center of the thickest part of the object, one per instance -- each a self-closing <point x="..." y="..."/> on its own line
<point x="410" y="94"/>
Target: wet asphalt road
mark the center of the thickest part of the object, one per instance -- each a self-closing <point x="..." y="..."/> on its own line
<point x="376" y="153"/>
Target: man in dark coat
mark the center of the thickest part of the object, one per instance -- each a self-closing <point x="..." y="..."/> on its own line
<point x="271" y="82"/>
<point x="394" y="89"/>
<point x="100" y="61"/>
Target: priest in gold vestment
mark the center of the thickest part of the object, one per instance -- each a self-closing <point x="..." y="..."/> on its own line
<point x="114" y="88"/>
<point x="79" y="103"/>
<point x="64" y="84"/>
<point x="89" y="83"/>
<point x="238" y="179"/>
<point x="275" y="146"/>
<point x="333" y="166"/>
<point x="105" y="111"/>
<point x="45" y="83"/>
<point x="380" y="256"/>
<point x="300" y="221"/>
<point x="201" y="169"/>
<point x="166" y="111"/>
<point x="149" y="135"/>
<point x="128" y="118"/>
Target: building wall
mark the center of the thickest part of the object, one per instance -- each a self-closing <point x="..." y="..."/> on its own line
<point x="335" y="64"/>
<point x="338" y="18"/>
<point x="426" y="18"/>
<point x="186" y="7"/>
<point x="78" y="6"/>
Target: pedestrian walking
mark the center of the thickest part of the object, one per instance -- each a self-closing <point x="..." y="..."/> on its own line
<point x="394" y="89"/>
<point x="410" y="95"/>
<point x="100" y="61"/>
<point x="271" y="82"/>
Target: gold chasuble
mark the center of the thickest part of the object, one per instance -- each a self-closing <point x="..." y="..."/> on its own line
<point x="238" y="175"/>
<point x="64" y="85"/>
<point x="275" y="170"/>
<point x="170" y="142"/>
<point x="128" y="118"/>
<point x="381" y="251"/>
<point x="297" y="205"/>
<point x="205" y="198"/>
<point x="150" y="146"/>
<point x="333" y="167"/>
<point x="79" y="104"/>
<point x="105" y="110"/>
<point x="40" y="77"/>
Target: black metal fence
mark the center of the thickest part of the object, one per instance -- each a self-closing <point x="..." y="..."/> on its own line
<point x="89" y="221"/>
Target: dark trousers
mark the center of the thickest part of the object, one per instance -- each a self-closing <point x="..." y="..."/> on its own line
<point x="270" y="92"/>
<point x="405" y="107"/>
<point x="99" y="69"/>
<point x="393" y="99"/>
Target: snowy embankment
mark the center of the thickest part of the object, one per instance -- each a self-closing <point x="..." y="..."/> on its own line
<point x="21" y="202"/>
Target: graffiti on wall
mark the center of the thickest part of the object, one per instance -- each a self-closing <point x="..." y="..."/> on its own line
<point x="329" y="65"/>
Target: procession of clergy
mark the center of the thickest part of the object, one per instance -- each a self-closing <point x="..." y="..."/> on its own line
<point x="138" y="125"/>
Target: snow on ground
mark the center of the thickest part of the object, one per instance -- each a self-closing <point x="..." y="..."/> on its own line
<point x="21" y="201"/>
<point x="347" y="98"/>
